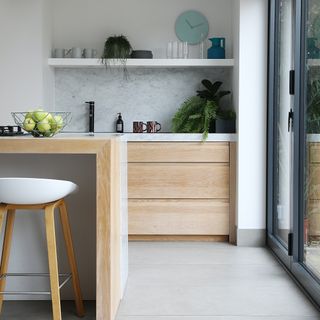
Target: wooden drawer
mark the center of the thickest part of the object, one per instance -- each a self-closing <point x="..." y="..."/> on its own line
<point x="178" y="217"/>
<point x="314" y="218"/>
<point x="178" y="180"/>
<point x="314" y="182"/>
<point x="314" y="149"/>
<point x="178" y="152"/>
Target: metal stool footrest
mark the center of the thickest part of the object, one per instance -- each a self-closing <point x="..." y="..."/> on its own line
<point x="67" y="276"/>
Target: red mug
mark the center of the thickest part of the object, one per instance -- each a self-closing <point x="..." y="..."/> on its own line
<point x="153" y="126"/>
<point x="139" y="127"/>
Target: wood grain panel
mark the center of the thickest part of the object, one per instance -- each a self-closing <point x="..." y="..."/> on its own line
<point x="178" y="152"/>
<point x="233" y="193"/>
<point x="314" y="152"/>
<point x="179" y="217"/>
<point x="108" y="229"/>
<point x="314" y="218"/>
<point x="314" y="182"/>
<point x="178" y="180"/>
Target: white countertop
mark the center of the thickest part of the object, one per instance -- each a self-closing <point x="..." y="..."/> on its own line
<point x="313" y="137"/>
<point x="179" y="137"/>
<point x="160" y="137"/>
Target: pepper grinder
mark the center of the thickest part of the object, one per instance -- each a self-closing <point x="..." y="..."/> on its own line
<point x="91" y="117"/>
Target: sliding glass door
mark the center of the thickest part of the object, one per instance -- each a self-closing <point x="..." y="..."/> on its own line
<point x="294" y="139"/>
<point x="309" y="146"/>
<point x="280" y="124"/>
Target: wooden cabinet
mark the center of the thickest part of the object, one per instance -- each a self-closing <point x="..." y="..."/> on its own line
<point x="313" y="185"/>
<point x="181" y="190"/>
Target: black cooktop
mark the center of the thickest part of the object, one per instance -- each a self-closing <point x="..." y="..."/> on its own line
<point x="8" y="131"/>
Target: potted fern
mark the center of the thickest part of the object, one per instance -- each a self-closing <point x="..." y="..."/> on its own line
<point x="198" y="114"/>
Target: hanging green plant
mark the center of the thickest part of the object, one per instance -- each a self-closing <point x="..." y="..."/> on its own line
<point x="118" y="48"/>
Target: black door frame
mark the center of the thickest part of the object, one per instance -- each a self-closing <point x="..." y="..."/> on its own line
<point x="294" y="264"/>
<point x="273" y="83"/>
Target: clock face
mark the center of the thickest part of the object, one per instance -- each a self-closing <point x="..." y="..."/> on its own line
<point x="192" y="27"/>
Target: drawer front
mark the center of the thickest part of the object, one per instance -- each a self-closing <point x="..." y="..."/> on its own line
<point x="314" y="182"/>
<point x="314" y="149"/>
<point x="170" y="180"/>
<point x="178" y="152"/>
<point x="178" y="217"/>
<point x="314" y="218"/>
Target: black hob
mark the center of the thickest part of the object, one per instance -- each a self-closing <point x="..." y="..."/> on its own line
<point x="8" y="131"/>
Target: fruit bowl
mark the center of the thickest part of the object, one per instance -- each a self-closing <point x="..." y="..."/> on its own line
<point x="42" y="123"/>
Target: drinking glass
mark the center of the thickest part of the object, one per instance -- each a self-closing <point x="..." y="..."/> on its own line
<point x="169" y="50"/>
<point x="175" y="49"/>
<point x="185" y="50"/>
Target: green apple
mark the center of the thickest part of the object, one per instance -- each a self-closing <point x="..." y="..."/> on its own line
<point x="28" y="124"/>
<point x="43" y="126"/>
<point x="39" y="115"/>
<point x="49" y="117"/>
<point x="29" y="114"/>
<point x="56" y="123"/>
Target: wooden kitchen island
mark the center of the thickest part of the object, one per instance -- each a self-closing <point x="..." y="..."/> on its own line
<point x="106" y="149"/>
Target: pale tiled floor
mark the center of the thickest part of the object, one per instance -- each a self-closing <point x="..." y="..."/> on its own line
<point x="195" y="281"/>
<point x="209" y="281"/>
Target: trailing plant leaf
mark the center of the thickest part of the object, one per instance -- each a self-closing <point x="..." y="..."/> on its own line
<point x="210" y="114"/>
<point x="181" y="121"/>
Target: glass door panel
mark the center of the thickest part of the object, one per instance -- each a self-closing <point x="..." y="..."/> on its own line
<point x="311" y="150"/>
<point x="283" y="136"/>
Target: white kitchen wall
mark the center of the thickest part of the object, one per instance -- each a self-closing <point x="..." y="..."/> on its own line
<point x="252" y="119"/>
<point x="148" y="24"/>
<point x="23" y="56"/>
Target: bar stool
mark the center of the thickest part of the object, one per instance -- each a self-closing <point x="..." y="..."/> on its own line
<point x="35" y="194"/>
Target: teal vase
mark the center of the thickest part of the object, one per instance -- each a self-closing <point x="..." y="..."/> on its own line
<point x="217" y="50"/>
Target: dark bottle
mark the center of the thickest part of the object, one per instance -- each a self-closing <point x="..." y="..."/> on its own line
<point x="119" y="124"/>
<point x="91" y="117"/>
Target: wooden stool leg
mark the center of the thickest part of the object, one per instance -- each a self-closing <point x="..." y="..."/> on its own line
<point x="72" y="260"/>
<point x="6" y="246"/>
<point x="53" y="262"/>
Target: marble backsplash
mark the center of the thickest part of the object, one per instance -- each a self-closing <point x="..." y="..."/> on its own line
<point x="146" y="94"/>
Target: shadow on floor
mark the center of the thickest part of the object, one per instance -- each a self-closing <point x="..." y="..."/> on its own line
<point x="41" y="310"/>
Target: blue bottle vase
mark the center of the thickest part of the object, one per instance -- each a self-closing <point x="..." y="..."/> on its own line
<point x="217" y="50"/>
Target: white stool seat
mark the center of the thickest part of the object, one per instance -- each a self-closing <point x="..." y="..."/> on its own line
<point x="33" y="190"/>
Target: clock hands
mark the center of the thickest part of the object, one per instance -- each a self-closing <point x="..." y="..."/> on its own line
<point x="198" y="25"/>
<point x="187" y="21"/>
<point x="191" y="26"/>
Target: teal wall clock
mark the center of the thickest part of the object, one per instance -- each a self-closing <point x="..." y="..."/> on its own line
<point x="192" y="26"/>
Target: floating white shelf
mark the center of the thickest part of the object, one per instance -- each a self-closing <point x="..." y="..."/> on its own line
<point x="143" y="63"/>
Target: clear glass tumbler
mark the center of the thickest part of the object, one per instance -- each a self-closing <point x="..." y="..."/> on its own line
<point x="169" y="50"/>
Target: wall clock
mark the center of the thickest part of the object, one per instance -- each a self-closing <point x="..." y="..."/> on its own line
<point x="192" y="26"/>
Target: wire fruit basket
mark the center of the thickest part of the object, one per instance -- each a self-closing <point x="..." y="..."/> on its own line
<point x="42" y="123"/>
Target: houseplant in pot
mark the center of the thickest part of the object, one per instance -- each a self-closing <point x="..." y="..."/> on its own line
<point x="226" y="121"/>
<point x="118" y="48"/>
<point x="199" y="113"/>
<point x="196" y="115"/>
